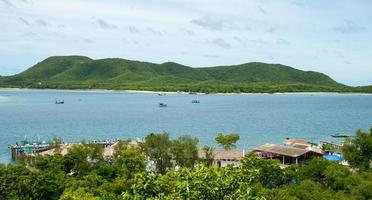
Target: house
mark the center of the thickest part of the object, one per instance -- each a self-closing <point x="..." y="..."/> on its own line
<point x="287" y="154"/>
<point x="224" y="157"/>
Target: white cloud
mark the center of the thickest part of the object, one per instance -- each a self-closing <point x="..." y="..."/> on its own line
<point x="349" y="27"/>
<point x="220" y="43"/>
<point x="217" y="32"/>
<point x="214" y="23"/>
<point x="105" y="25"/>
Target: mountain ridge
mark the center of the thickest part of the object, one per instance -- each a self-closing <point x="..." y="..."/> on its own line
<point x="81" y="72"/>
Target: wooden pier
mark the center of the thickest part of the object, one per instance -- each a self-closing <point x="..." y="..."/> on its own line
<point x="27" y="149"/>
<point x="31" y="148"/>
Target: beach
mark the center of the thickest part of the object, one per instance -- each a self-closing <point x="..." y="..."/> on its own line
<point x="176" y="93"/>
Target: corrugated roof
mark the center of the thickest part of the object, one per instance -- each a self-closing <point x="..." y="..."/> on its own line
<point x="220" y="154"/>
<point x="292" y="141"/>
<point x="63" y="150"/>
<point x="282" y="150"/>
<point x="109" y="150"/>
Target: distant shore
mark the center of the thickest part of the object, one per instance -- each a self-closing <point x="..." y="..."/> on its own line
<point x="178" y="93"/>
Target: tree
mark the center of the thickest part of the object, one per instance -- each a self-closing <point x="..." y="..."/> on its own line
<point x="358" y="151"/>
<point x="201" y="182"/>
<point x="48" y="184"/>
<point x="157" y="148"/>
<point x="310" y="190"/>
<point x="209" y="157"/>
<point x="130" y="162"/>
<point x="227" y="141"/>
<point x="336" y="176"/>
<point x="79" y="194"/>
<point x="185" y="151"/>
<point x="76" y="160"/>
<point x="15" y="182"/>
<point x="363" y="190"/>
<point x="314" y="170"/>
<point x="95" y="152"/>
<point x="271" y="175"/>
<point x="56" y="145"/>
<point x="121" y="146"/>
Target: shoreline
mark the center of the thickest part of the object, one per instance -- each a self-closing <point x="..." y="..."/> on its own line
<point x="176" y="93"/>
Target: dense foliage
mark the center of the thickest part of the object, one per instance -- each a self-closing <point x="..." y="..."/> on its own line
<point x="78" y="72"/>
<point x="83" y="173"/>
<point x="358" y="151"/>
<point x="227" y="141"/>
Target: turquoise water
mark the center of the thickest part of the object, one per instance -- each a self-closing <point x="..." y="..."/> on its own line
<point x="258" y="118"/>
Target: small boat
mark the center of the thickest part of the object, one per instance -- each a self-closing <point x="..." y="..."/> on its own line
<point x="195" y="101"/>
<point x="162" y="94"/>
<point x="59" y="102"/>
<point x="162" y="105"/>
<point x="340" y="135"/>
<point x="194" y="93"/>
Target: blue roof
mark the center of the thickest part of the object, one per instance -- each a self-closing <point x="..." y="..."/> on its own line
<point x="333" y="157"/>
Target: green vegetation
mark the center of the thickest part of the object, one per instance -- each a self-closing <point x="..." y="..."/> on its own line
<point x="84" y="174"/>
<point x="329" y="147"/>
<point x="78" y="72"/>
<point x="358" y="151"/>
<point x="227" y="141"/>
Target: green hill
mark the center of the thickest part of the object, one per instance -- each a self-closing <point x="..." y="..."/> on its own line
<point x="78" y="72"/>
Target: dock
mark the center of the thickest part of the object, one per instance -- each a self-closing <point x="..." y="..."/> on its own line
<point x="26" y="148"/>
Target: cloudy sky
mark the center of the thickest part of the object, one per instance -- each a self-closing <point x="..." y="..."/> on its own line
<point x="333" y="36"/>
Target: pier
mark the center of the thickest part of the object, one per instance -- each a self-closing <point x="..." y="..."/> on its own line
<point x="26" y="148"/>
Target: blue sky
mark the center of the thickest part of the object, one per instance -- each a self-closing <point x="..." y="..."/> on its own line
<point x="333" y="36"/>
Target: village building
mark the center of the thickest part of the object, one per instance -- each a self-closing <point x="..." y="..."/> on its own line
<point x="223" y="158"/>
<point x="287" y="154"/>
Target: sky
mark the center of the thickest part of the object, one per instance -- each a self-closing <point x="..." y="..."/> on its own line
<point x="329" y="36"/>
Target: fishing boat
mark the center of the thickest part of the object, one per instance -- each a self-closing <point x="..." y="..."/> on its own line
<point x="162" y="105"/>
<point x="336" y="135"/>
<point x="59" y="101"/>
<point x="195" y="101"/>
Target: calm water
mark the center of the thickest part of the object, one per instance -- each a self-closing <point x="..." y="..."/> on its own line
<point x="259" y="119"/>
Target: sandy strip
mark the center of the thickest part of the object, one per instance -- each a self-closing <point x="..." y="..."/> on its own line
<point x="182" y="93"/>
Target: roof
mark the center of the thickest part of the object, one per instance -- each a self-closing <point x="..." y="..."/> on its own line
<point x="63" y="150"/>
<point x="300" y="146"/>
<point x="221" y="154"/>
<point x="282" y="150"/>
<point x="291" y="141"/>
<point x="107" y="151"/>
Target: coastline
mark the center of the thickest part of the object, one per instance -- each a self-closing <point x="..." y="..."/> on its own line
<point x="178" y="93"/>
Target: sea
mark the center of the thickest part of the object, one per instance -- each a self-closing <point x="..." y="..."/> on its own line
<point x="108" y="115"/>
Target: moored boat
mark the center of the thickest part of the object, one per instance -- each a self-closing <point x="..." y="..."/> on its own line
<point x="336" y="135"/>
<point x="59" y="101"/>
<point x="162" y="105"/>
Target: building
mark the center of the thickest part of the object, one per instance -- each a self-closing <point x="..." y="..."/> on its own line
<point x="287" y="154"/>
<point x="223" y="158"/>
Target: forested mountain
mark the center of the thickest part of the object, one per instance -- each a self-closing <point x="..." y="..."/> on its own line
<point x="79" y="72"/>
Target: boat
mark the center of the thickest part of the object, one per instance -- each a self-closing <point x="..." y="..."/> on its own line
<point x="59" y="101"/>
<point x="193" y="93"/>
<point x="162" y="94"/>
<point x="340" y="135"/>
<point x="162" y="105"/>
<point x="195" y="101"/>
